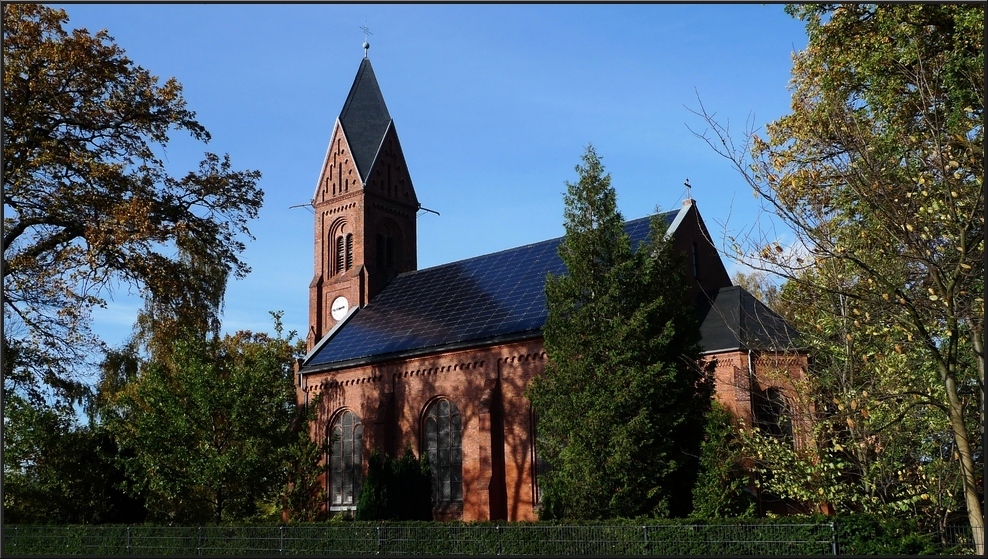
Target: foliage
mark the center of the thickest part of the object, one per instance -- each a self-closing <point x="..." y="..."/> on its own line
<point x="721" y="489"/>
<point x="867" y="534"/>
<point x="59" y="472"/>
<point x="396" y="488"/>
<point x="88" y="204"/>
<point x="881" y="446"/>
<point x="621" y="403"/>
<point x="879" y="171"/>
<point x="303" y="495"/>
<point x="210" y="431"/>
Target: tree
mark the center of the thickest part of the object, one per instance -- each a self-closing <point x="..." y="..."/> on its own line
<point x="620" y="405"/>
<point x="57" y="471"/>
<point x="722" y="486"/>
<point x="211" y="431"/>
<point x="879" y="171"/>
<point x="88" y="204"/>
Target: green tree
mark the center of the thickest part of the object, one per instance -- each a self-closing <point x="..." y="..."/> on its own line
<point x="879" y="171"/>
<point x="621" y="403"/>
<point x="58" y="471"/>
<point x="882" y="445"/>
<point x="89" y="206"/>
<point x="303" y="496"/>
<point x="211" y="431"/>
<point x="722" y="486"/>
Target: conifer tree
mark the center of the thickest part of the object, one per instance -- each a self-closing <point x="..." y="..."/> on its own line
<point x="621" y="403"/>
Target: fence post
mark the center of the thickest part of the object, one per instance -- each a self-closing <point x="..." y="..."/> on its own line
<point x="380" y="542"/>
<point x="199" y="540"/>
<point x="128" y="540"/>
<point x="281" y="540"/>
<point x="648" y="550"/>
<point x="833" y="536"/>
<point x="500" y="544"/>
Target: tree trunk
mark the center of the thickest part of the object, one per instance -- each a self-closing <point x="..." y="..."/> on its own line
<point x="968" y="473"/>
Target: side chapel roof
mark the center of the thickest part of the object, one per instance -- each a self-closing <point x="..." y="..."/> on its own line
<point x="733" y="319"/>
<point x="365" y="118"/>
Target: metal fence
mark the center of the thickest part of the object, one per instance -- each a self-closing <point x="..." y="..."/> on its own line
<point x="437" y="539"/>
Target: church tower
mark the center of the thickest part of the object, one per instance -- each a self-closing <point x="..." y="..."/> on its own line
<point x="365" y="209"/>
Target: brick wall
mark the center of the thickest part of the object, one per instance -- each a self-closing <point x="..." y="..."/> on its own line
<point x="486" y="385"/>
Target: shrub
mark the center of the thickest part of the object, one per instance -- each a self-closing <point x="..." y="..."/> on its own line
<point x="396" y="489"/>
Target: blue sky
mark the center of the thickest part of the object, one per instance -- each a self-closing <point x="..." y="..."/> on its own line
<point x="494" y="104"/>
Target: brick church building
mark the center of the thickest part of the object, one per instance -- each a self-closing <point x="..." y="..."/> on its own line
<point x="438" y="359"/>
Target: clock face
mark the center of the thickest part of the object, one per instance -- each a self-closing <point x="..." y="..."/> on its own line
<point x="339" y="308"/>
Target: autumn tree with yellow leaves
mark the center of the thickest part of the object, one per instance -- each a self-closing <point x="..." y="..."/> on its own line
<point x="879" y="171"/>
<point x="89" y="206"/>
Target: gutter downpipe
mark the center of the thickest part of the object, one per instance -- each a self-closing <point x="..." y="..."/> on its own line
<point x="751" y="388"/>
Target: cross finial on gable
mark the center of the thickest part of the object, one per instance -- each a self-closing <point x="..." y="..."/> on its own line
<point x="689" y="195"/>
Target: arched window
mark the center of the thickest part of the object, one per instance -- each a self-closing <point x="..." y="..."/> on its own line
<point x="380" y="251"/>
<point x="344" y="253"/>
<point x="773" y="413"/>
<point x="696" y="263"/>
<point x="345" y="450"/>
<point x="388" y="243"/>
<point x="443" y="434"/>
<point x="349" y="250"/>
<point x="340" y="255"/>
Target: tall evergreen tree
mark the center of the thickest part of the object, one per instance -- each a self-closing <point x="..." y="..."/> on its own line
<point x="621" y="403"/>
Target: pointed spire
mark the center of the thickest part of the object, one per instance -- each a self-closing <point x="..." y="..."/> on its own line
<point x="365" y="118"/>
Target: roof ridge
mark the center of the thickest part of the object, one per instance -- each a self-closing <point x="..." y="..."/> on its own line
<point x="519" y="247"/>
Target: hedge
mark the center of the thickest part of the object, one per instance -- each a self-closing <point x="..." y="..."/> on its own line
<point x="848" y="535"/>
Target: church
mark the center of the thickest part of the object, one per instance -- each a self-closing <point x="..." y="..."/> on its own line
<point x="437" y="360"/>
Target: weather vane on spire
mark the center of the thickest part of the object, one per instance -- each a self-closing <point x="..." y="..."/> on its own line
<point x="367" y="32"/>
<point x="689" y="189"/>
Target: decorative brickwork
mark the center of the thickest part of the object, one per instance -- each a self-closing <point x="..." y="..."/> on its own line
<point x="365" y="234"/>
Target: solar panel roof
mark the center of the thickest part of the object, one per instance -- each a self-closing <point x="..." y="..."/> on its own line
<point x="487" y="298"/>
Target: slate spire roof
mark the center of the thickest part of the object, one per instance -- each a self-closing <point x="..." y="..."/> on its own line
<point x="365" y="118"/>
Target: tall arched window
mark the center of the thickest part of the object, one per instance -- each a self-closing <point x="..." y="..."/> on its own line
<point x="349" y="250"/>
<point x="388" y="243"/>
<point x="773" y="413"/>
<point x="380" y="251"/>
<point x="344" y="252"/>
<point x="345" y="450"/>
<point x="443" y="434"/>
<point x="340" y="255"/>
<point x="696" y="263"/>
